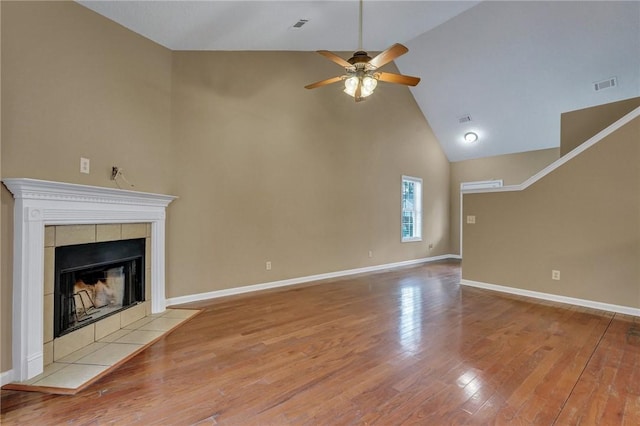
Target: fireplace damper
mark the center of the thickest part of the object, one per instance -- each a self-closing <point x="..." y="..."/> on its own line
<point x="95" y="280"/>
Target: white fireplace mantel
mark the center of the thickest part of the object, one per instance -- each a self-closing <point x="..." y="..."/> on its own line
<point x="39" y="203"/>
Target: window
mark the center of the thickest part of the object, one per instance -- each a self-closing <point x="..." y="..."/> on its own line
<point x="411" y="209"/>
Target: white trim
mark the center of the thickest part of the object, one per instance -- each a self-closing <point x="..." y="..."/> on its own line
<point x="481" y="184"/>
<point x="36" y="189"/>
<point x="555" y="298"/>
<point x="411" y="239"/>
<point x="6" y="377"/>
<point x="293" y="281"/>
<point x="39" y="203"/>
<point x="565" y="158"/>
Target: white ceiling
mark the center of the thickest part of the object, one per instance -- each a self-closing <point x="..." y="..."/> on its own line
<point x="514" y="66"/>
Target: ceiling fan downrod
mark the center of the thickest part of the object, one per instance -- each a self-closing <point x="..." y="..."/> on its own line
<point x="360" y="28"/>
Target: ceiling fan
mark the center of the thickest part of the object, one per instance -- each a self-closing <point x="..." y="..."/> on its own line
<point x="361" y="71"/>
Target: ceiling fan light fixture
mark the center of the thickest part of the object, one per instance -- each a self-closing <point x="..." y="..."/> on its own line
<point x="367" y="83"/>
<point x="350" y="85"/>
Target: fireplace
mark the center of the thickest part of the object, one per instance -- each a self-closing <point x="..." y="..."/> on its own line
<point x="96" y="280"/>
<point x="43" y="204"/>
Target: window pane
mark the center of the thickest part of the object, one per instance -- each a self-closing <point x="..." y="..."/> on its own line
<point x="407" y="224"/>
<point x="408" y="195"/>
<point x="411" y="208"/>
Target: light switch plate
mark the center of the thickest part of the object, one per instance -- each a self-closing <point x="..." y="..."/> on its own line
<point x="85" y="165"/>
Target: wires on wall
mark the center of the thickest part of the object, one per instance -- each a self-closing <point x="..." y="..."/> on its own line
<point x="117" y="173"/>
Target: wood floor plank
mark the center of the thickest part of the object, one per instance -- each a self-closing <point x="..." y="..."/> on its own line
<point x="608" y="390"/>
<point x="405" y="346"/>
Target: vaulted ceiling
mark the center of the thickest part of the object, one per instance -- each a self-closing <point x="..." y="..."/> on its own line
<point x="512" y="66"/>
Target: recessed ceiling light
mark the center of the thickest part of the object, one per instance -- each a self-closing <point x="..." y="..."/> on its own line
<point x="470" y="137"/>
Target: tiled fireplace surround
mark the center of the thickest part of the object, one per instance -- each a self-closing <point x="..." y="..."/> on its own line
<point x="47" y="214"/>
<point x="66" y="235"/>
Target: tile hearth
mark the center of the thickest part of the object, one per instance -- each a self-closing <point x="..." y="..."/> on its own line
<point x="77" y="370"/>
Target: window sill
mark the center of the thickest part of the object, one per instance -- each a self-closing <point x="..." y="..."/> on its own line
<point x="411" y="240"/>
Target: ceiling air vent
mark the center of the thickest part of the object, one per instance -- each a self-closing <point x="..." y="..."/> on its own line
<point x="464" y="119"/>
<point x="299" y="24"/>
<point x="605" y="84"/>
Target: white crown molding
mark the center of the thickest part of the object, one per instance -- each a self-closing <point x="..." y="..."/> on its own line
<point x="34" y="189"/>
<point x="562" y="160"/>
<point x="39" y="203"/>
<point x="554" y="298"/>
<point x="300" y="280"/>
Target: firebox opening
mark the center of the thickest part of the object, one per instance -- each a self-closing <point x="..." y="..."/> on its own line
<point x="93" y="281"/>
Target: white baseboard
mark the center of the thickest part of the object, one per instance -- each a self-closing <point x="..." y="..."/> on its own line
<point x="555" y="298"/>
<point x="283" y="283"/>
<point x="6" y="377"/>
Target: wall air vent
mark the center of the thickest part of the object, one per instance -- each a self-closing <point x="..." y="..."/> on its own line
<point x="299" y="24"/>
<point x="464" y="119"/>
<point x="605" y="84"/>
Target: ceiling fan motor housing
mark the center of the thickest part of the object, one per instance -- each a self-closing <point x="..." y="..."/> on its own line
<point x="359" y="57"/>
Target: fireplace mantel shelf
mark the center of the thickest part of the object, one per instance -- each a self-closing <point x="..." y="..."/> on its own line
<point x="35" y="189"/>
<point x="39" y="203"/>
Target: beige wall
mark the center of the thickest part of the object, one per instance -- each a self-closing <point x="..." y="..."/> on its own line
<point x="578" y="126"/>
<point x="583" y="219"/>
<point x="264" y="169"/>
<point x="513" y="169"/>
<point x="75" y="84"/>
<point x="308" y="180"/>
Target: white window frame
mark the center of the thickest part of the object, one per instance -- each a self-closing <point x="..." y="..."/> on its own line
<point x="417" y="236"/>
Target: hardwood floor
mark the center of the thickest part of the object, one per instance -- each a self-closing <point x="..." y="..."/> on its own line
<point x="408" y="346"/>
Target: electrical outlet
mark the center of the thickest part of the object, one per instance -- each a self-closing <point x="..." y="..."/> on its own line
<point x="471" y="219"/>
<point x="85" y="165"/>
<point x="268" y="265"/>
<point x="370" y="253"/>
<point x="555" y="275"/>
<point x="431" y="246"/>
